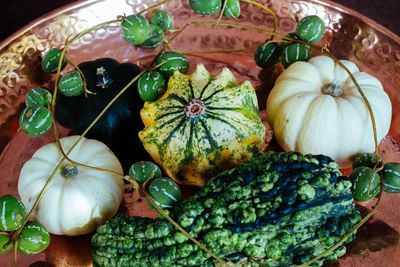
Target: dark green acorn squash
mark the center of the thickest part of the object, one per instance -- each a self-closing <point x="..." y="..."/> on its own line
<point x="119" y="126"/>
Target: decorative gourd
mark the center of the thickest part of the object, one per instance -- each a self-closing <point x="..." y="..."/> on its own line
<point x="78" y="199"/>
<point x="202" y="125"/>
<point x="282" y="209"/>
<point x="119" y="126"/>
<point x="142" y="171"/>
<point x="315" y="108"/>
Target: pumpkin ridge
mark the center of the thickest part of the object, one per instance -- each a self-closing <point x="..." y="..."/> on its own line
<point x="204" y="89"/>
<point x="191" y="90"/>
<point x="188" y="154"/>
<point x="168" y="114"/>
<point x="173" y="107"/>
<point x="61" y="202"/>
<point x="346" y="107"/>
<point x="230" y="123"/>
<point x="354" y="100"/>
<point x="338" y="104"/>
<point x="178" y="98"/>
<point x="240" y="110"/>
<point x="176" y="129"/>
<point x="283" y="106"/>
<point x="189" y="145"/>
<point x="224" y="108"/>
<point x="289" y="98"/>
<point x="205" y="100"/>
<point x="309" y="114"/>
<point x="170" y="121"/>
<point x="364" y="79"/>
<point x="214" y="116"/>
<point x="207" y="133"/>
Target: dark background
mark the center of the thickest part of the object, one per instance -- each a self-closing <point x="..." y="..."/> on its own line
<point x="16" y="13"/>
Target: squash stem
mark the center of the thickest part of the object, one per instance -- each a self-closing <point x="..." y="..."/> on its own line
<point x="333" y="89"/>
<point x="69" y="170"/>
<point x="194" y="108"/>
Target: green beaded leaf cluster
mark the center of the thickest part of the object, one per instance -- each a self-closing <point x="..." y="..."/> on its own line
<point x="143" y="171"/>
<point x="51" y="59"/>
<point x="152" y="83"/>
<point x="366" y="180"/>
<point x="71" y="83"/>
<point x="163" y="190"/>
<point x="280" y="208"/>
<point x="162" y="19"/>
<point x="211" y="7"/>
<point x="137" y="30"/>
<point x="33" y="237"/>
<point x="309" y="30"/>
<point x="36" y="119"/>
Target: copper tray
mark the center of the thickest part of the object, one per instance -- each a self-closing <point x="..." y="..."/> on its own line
<point x="351" y="35"/>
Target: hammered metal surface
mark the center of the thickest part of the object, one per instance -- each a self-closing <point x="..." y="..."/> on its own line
<point x="350" y="36"/>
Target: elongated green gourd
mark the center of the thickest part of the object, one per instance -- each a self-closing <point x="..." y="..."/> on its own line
<point x="283" y="208"/>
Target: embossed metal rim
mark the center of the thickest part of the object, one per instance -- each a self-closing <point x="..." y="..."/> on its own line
<point x="81" y="3"/>
<point x="365" y="19"/>
<point x="52" y="14"/>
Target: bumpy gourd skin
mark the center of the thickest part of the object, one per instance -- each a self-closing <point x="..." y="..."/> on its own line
<point x="283" y="207"/>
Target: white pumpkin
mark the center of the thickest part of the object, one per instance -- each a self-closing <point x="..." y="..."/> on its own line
<point x="315" y="108"/>
<point x="78" y="199"/>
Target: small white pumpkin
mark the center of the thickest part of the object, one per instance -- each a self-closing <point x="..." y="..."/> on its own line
<point x="315" y="108"/>
<point x="78" y="199"/>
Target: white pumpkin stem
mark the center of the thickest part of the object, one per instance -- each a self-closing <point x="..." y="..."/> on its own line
<point x="69" y="170"/>
<point x="334" y="89"/>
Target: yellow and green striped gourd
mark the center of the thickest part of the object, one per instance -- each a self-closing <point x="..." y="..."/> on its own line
<point x="202" y="125"/>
